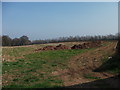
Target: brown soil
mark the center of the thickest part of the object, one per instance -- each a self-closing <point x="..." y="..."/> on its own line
<point x="85" y="63"/>
<point x="61" y="47"/>
<point x="58" y="47"/>
<point x="82" y="64"/>
<point x="85" y="45"/>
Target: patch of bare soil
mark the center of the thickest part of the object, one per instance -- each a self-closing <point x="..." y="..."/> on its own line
<point x="58" y="47"/>
<point x="7" y="78"/>
<point x="86" y="45"/>
<point x="90" y="44"/>
<point x="84" y="64"/>
<point x="8" y="58"/>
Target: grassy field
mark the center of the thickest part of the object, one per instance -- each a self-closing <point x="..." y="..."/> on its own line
<point x="22" y="67"/>
<point x="34" y="69"/>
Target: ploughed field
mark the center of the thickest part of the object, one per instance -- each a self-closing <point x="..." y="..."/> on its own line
<point x="60" y="65"/>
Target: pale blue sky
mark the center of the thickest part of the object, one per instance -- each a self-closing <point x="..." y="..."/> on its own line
<point x="48" y="20"/>
<point x="0" y="18"/>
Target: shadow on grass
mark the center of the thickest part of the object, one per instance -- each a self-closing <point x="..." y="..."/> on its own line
<point x="102" y="83"/>
<point x="112" y="65"/>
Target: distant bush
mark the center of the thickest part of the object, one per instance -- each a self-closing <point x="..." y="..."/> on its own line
<point x="7" y="41"/>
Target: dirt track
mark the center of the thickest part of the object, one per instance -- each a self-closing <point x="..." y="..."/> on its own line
<point x="85" y="63"/>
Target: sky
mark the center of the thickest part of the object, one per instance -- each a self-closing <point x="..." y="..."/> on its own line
<point x="0" y="18"/>
<point x="47" y="20"/>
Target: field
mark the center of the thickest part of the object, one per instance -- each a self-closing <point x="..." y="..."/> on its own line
<point x="25" y="68"/>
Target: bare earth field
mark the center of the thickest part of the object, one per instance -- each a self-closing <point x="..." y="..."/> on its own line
<point x="79" y="68"/>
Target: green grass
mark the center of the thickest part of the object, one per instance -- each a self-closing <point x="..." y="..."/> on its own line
<point x="17" y="51"/>
<point x="90" y="76"/>
<point x="44" y="84"/>
<point x="110" y="65"/>
<point x="34" y="70"/>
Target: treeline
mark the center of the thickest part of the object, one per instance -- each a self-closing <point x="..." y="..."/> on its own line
<point x="77" y="38"/>
<point x="7" y="41"/>
<point x="24" y="40"/>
